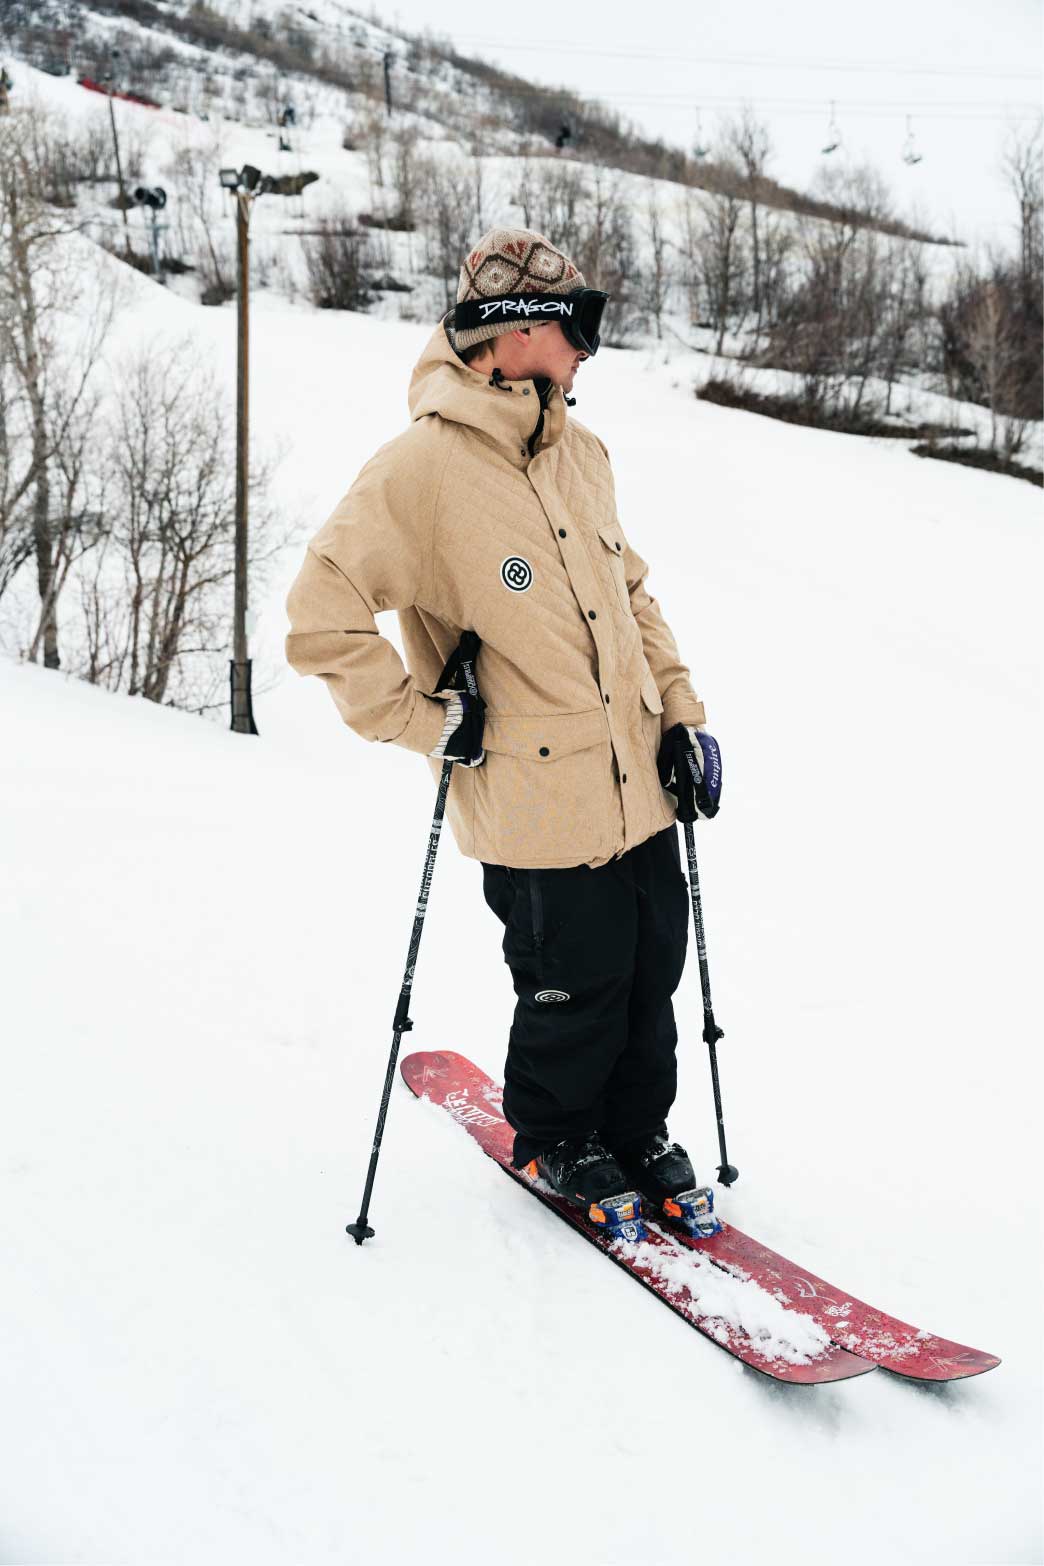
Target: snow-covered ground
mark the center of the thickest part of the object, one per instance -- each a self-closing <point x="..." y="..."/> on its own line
<point x="203" y="937"/>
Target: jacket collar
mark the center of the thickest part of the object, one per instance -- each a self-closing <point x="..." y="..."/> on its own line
<point x="508" y="415"/>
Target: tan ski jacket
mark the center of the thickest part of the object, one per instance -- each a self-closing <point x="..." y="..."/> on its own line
<point x="494" y="512"/>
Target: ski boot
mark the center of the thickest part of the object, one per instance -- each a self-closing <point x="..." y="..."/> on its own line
<point x="588" y="1177"/>
<point x="662" y="1172"/>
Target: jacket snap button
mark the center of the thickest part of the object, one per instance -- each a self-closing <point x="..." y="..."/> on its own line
<point x="591" y="615"/>
<point x="561" y="532"/>
<point x="607" y="695"/>
<point x="617" y="546"/>
<point x="525" y="391"/>
<point x="623" y="778"/>
<point x="544" y="751"/>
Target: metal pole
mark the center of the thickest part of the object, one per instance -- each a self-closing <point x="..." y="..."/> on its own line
<point x="387" y="82"/>
<point x="459" y="667"/>
<point x="242" y="704"/>
<point x="402" y="1022"/>
<point x="728" y="1174"/>
<point x="119" y="175"/>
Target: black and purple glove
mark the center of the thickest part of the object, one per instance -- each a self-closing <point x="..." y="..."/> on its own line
<point x="689" y="764"/>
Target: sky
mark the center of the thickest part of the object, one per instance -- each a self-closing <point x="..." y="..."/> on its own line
<point x="677" y="72"/>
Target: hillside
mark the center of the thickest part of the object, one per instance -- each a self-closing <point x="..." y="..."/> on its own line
<point x="242" y="58"/>
<point x="203" y="938"/>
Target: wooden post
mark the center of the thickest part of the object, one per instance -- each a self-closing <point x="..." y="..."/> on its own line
<point x="242" y="705"/>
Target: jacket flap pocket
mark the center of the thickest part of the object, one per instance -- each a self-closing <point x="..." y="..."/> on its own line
<point x="545" y="738"/>
<point x="611" y="534"/>
<point x="650" y="695"/>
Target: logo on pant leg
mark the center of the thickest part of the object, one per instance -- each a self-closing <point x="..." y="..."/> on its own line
<point x="551" y="995"/>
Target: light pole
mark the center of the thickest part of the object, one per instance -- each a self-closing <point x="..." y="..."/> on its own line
<point x="155" y="200"/>
<point x="246" y="184"/>
<point x="243" y="184"/>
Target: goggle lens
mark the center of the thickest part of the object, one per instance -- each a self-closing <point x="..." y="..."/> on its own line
<point x="583" y="327"/>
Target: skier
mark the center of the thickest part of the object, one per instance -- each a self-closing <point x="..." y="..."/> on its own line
<point x="494" y="512"/>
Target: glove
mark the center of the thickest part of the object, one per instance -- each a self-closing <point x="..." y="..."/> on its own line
<point x="461" y="739"/>
<point x="689" y="764"/>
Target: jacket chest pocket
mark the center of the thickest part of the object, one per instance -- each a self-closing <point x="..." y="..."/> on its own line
<point x="613" y="546"/>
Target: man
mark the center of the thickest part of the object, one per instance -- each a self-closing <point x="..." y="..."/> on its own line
<point x="494" y="512"/>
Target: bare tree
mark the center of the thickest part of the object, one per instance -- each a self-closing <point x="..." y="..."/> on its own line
<point x="373" y="127"/>
<point x="748" y="144"/>
<point x="659" y="274"/>
<point x="1022" y="165"/>
<point x="478" y="184"/>
<point x="194" y="175"/>
<point x="722" y="262"/>
<point x="991" y="342"/>
<point x="48" y="361"/>
<point x="448" y="214"/>
<point x="157" y="607"/>
<point x="906" y="308"/>
<point x="405" y="175"/>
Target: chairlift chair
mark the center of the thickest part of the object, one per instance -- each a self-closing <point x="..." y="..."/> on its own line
<point x="833" y="132"/>
<point x="910" y="152"/>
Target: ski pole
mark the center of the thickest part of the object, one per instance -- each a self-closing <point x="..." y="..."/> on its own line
<point x="728" y="1174"/>
<point x="461" y="664"/>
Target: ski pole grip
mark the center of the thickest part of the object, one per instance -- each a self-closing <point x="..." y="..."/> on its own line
<point x="459" y="672"/>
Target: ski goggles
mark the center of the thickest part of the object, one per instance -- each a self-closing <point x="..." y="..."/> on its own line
<point x="579" y="314"/>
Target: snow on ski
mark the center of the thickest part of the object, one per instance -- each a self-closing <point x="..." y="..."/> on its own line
<point x="742" y="1318"/>
<point x="872" y="1333"/>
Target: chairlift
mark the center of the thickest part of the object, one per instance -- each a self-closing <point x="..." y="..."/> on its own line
<point x="910" y="152"/>
<point x="700" y="149"/>
<point x="833" y="132"/>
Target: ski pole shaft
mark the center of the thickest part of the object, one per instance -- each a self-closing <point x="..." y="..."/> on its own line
<point x="458" y="674"/>
<point x="402" y="1023"/>
<point x="728" y="1174"/>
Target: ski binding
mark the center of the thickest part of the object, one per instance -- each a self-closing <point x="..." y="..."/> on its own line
<point x="619" y="1217"/>
<point x="694" y="1212"/>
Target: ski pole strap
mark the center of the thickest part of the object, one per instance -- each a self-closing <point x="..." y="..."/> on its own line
<point x="459" y="672"/>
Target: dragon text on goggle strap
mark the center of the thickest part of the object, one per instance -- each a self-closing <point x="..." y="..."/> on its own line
<point x="526" y="307"/>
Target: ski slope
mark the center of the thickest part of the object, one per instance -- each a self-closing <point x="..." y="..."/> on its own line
<point x="203" y="937"/>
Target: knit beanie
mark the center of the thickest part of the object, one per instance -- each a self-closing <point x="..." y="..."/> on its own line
<point x="511" y="261"/>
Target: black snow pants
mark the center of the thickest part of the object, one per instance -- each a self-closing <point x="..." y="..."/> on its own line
<point x="595" y="956"/>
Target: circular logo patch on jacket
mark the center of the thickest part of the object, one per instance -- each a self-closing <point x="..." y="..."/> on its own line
<point x="516" y="573"/>
<point x="551" y="995"/>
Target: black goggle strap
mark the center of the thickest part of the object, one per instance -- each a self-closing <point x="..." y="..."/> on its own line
<point x="578" y="313"/>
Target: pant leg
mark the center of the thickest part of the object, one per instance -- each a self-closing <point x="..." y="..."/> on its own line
<point x="570" y="938"/>
<point x="644" y="1079"/>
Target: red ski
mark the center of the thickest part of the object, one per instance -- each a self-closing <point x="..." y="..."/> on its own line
<point x="893" y="1344"/>
<point x="659" y="1262"/>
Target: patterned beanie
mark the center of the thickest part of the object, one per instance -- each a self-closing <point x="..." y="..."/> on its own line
<point x="510" y="261"/>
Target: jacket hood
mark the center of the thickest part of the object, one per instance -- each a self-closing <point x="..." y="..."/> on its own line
<point x="508" y="415"/>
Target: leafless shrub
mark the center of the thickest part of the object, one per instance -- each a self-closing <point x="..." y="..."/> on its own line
<point x="48" y="366"/>
<point x="156" y="605"/>
<point x="193" y="174"/>
<point x="448" y="215"/>
<point x="748" y="146"/>
<point x="722" y="262"/>
<point x="337" y="258"/>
